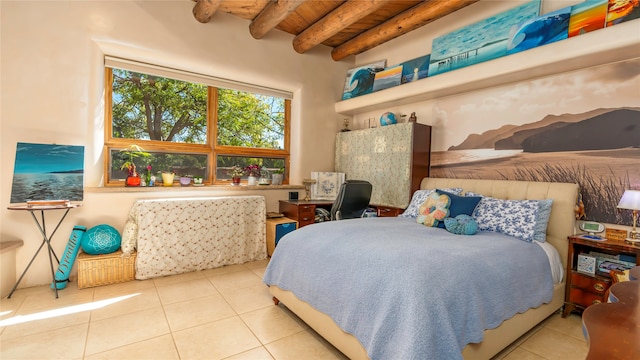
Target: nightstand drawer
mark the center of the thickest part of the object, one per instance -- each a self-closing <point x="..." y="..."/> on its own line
<point x="590" y="284"/>
<point x="585" y="298"/>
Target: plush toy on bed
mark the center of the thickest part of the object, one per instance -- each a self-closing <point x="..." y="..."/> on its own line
<point x="434" y="209"/>
<point x="461" y="225"/>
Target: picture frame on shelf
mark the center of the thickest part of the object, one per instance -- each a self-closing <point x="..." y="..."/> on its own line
<point x="586" y="264"/>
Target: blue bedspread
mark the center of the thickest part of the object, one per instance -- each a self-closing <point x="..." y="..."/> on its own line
<point x="407" y="291"/>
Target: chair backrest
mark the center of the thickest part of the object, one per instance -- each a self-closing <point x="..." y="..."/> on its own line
<point x="353" y="199"/>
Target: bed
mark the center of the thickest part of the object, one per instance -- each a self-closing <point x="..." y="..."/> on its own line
<point x="439" y="310"/>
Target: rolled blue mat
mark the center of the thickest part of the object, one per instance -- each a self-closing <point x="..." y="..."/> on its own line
<point x="68" y="257"/>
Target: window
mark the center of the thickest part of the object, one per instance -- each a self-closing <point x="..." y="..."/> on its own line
<point x="191" y="124"/>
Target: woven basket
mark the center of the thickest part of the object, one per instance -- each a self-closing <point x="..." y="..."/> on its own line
<point x="97" y="270"/>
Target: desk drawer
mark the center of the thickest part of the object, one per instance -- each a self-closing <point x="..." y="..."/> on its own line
<point x="307" y="210"/>
<point x="387" y="211"/>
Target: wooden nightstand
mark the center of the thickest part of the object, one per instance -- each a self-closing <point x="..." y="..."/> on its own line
<point x="584" y="289"/>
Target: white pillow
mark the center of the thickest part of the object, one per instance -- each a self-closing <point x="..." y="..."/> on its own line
<point x="420" y="196"/>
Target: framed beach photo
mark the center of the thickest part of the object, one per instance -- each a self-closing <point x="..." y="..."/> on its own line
<point x="47" y="172"/>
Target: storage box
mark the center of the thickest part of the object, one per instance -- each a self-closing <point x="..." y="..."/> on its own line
<point x="276" y="229"/>
<point x="97" y="270"/>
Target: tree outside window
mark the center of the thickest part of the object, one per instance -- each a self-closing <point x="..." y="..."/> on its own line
<point x="190" y="128"/>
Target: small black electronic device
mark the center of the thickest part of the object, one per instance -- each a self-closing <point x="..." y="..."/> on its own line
<point x="293" y="195"/>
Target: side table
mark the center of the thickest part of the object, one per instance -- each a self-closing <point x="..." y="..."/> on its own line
<point x="584" y="290"/>
<point x="46" y="239"/>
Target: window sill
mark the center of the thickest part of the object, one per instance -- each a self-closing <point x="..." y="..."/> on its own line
<point x="190" y="188"/>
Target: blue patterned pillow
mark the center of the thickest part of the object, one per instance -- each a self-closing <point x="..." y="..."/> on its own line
<point x="419" y="198"/>
<point x="524" y="219"/>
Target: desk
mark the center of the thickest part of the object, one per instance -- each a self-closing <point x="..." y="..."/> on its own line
<point x="304" y="212"/>
<point x="46" y="239"/>
<point x="613" y="329"/>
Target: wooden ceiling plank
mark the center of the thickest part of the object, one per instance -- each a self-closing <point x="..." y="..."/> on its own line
<point x="403" y="23"/>
<point x="334" y="22"/>
<point x="203" y="10"/>
<point x="271" y="16"/>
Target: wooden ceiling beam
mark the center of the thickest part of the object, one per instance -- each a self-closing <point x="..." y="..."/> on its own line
<point x="204" y="10"/>
<point x="271" y="16"/>
<point x="403" y="23"/>
<point x="337" y="20"/>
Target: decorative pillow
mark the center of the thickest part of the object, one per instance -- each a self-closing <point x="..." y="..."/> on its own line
<point x="524" y="219"/>
<point x="129" y="237"/>
<point x="101" y="239"/>
<point x="542" y="220"/>
<point x="461" y="225"/>
<point x="433" y="210"/>
<point x="419" y="197"/>
<point x="459" y="205"/>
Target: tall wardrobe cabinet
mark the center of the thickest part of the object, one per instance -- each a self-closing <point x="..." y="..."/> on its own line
<point x="394" y="158"/>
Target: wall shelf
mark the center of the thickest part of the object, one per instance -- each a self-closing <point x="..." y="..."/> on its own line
<point x="617" y="43"/>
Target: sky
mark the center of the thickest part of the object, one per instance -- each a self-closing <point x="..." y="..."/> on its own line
<point x="44" y="158"/>
<point x="607" y="86"/>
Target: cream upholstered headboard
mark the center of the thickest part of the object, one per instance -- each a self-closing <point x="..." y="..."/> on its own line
<point x="564" y="195"/>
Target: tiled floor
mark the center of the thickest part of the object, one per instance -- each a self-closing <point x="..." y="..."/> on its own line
<point x="224" y="313"/>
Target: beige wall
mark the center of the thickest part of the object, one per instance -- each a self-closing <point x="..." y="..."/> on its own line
<point x="52" y="92"/>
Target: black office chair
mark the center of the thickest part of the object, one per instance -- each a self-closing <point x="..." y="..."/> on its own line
<point x="352" y="201"/>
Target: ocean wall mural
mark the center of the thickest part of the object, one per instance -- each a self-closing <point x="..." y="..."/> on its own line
<point x="581" y="126"/>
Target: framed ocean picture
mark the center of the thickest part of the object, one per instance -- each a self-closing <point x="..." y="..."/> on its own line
<point x="479" y="42"/>
<point x="415" y="69"/>
<point x="587" y="16"/>
<point x="360" y="80"/>
<point x="541" y="30"/>
<point x="387" y="78"/>
<point x="619" y="11"/>
<point x="47" y="172"/>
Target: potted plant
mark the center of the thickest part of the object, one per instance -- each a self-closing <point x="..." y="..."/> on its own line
<point x="167" y="177"/>
<point x="253" y="172"/>
<point x="132" y="152"/>
<point x="236" y="173"/>
<point x="277" y="176"/>
<point x="197" y="180"/>
<point x="265" y="177"/>
<point x="185" y="180"/>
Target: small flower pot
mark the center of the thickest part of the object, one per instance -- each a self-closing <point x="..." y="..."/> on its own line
<point x="252" y="180"/>
<point x="185" y="181"/>
<point x="276" y="179"/>
<point x="197" y="181"/>
<point x="167" y="179"/>
<point x="235" y="181"/>
<point x="133" y="181"/>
